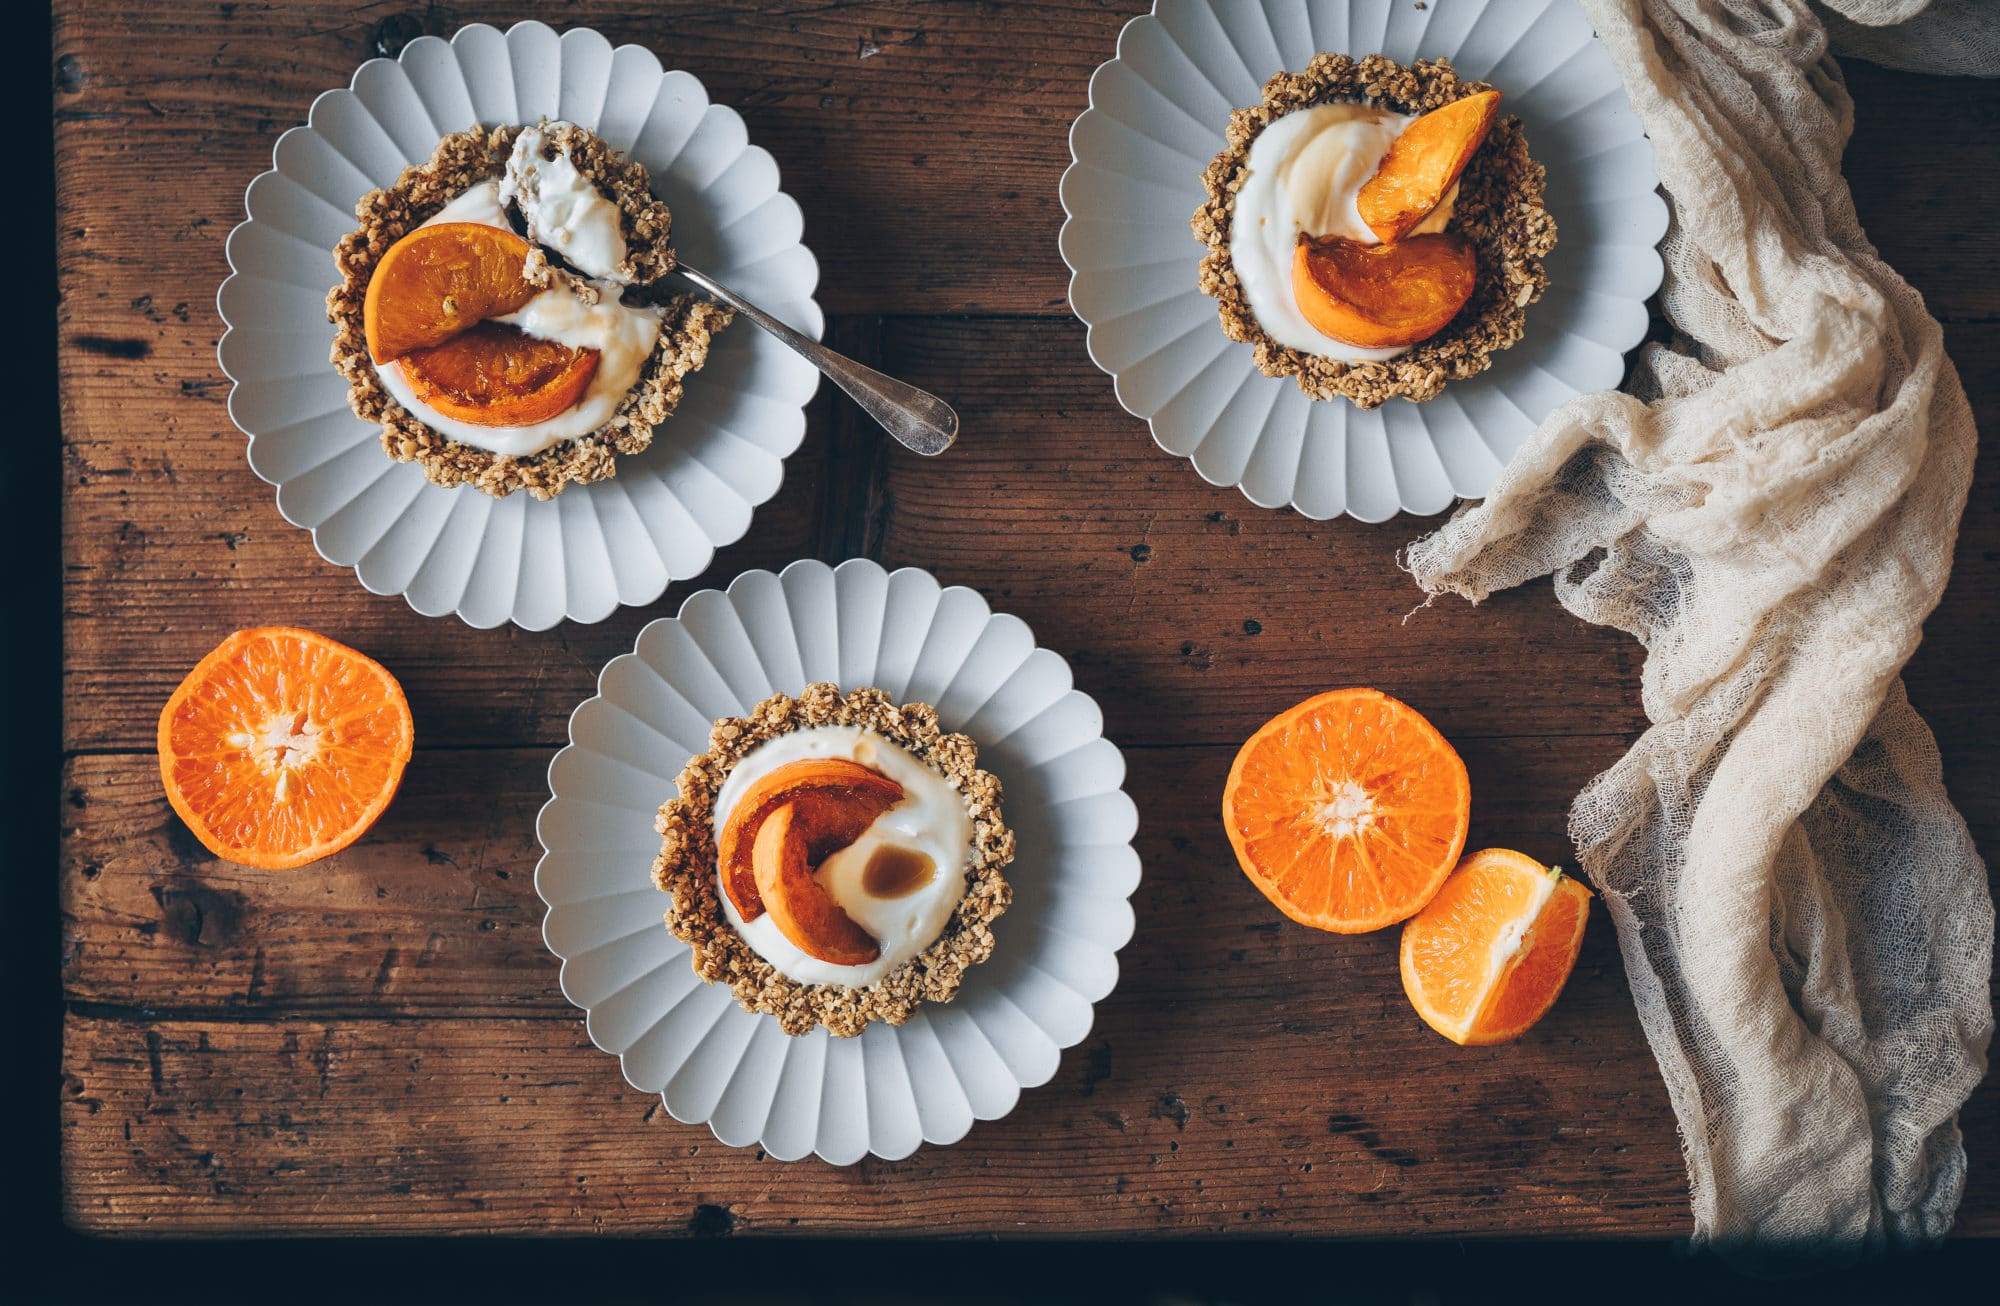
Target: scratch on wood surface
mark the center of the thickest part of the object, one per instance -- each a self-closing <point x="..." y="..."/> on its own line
<point x="322" y="1058"/>
<point x="1141" y="553"/>
<point x="386" y="972"/>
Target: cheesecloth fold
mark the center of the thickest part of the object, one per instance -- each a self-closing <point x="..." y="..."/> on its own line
<point x="1806" y="925"/>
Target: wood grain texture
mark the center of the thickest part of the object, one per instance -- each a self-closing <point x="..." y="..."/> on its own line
<point x="1356" y="1125"/>
<point x="378" y="1042"/>
<point x="307" y="1033"/>
<point x="434" y="912"/>
<point x="923" y="140"/>
<point x="1055" y="504"/>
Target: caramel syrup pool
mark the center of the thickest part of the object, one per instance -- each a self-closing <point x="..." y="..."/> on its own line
<point x="893" y="872"/>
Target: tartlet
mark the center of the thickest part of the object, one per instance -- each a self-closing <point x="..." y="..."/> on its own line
<point x="687" y="865"/>
<point x="462" y="161"/>
<point x="1499" y="209"/>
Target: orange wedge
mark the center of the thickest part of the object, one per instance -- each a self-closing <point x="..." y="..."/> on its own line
<point x="1423" y="165"/>
<point x="1348" y="810"/>
<point x="282" y="747"/>
<point x="496" y="375"/>
<point x="438" y="281"/>
<point x="1487" y="957"/>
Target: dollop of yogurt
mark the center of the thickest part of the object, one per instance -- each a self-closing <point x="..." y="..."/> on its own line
<point x="1306" y="170"/>
<point x="623" y="335"/>
<point x="931" y="820"/>
<point x="562" y="209"/>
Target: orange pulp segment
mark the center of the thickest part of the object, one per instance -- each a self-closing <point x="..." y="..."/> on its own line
<point x="282" y="747"/>
<point x="1347" y="810"/>
<point x="1486" y="959"/>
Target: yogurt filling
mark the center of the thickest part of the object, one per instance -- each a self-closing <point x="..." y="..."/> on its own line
<point x="931" y="821"/>
<point x="1306" y="170"/>
<point x="562" y="208"/>
<point x="622" y="334"/>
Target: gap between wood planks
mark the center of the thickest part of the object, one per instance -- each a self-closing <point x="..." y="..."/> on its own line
<point x="532" y="745"/>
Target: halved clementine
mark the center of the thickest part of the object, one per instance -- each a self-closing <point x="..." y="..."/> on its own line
<point x="282" y="747"/>
<point x="438" y="281"/>
<point x="495" y="375"/>
<point x="1383" y="296"/>
<point x="1423" y="164"/>
<point x="1487" y="957"/>
<point x="1347" y="810"/>
<point x="800" y="906"/>
<point x="838" y="799"/>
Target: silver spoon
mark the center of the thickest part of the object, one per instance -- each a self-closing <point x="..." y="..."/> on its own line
<point x="923" y="422"/>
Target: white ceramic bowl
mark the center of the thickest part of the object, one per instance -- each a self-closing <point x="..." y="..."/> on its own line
<point x="892" y="1088"/>
<point x="1156" y="117"/>
<point x="518" y="559"/>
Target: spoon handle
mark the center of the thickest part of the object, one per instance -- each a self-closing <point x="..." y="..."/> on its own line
<point x="923" y="422"/>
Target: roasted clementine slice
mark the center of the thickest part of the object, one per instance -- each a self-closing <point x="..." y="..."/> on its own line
<point x="1487" y="957"/>
<point x="282" y="747"/>
<point x="495" y="375"/>
<point x="1348" y="810"/>
<point x="1383" y="296"/>
<point x="838" y="799"/>
<point x="804" y="912"/>
<point x="441" y="280"/>
<point x="1424" y="164"/>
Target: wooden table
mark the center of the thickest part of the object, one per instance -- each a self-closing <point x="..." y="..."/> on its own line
<point x="378" y="1043"/>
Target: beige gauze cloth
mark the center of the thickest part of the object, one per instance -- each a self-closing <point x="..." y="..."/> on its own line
<point x="1806" y="925"/>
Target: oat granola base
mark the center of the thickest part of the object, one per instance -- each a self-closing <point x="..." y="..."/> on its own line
<point x="462" y="160"/>
<point x="686" y="866"/>
<point x="1499" y="210"/>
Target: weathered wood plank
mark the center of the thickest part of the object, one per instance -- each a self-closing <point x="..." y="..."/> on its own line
<point x="1919" y="166"/>
<point x="171" y="543"/>
<point x="1151" y="581"/>
<point x="923" y="141"/>
<point x="434" y="913"/>
<point x="1156" y="1126"/>
<point x="400" y="961"/>
<point x="1056" y="504"/>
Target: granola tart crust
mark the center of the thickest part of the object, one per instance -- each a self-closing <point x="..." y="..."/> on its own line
<point x="462" y="160"/>
<point x="685" y="867"/>
<point x="1499" y="210"/>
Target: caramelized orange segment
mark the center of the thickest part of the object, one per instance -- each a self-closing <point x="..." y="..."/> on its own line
<point x="1383" y="296"/>
<point x="1424" y="164"/>
<point x="494" y="375"/>
<point x="439" y="281"/>
<point x="835" y="800"/>
<point x="802" y="909"/>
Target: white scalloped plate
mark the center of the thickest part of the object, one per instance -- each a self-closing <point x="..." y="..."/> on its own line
<point x="1156" y="117"/>
<point x="593" y="547"/>
<point x="892" y="1088"/>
